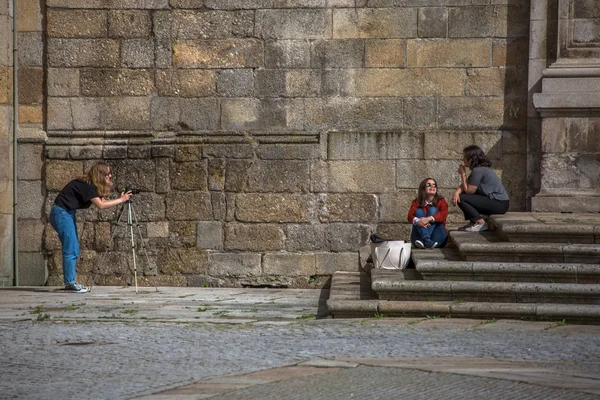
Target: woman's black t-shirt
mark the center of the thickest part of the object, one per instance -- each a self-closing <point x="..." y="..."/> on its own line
<point x="77" y="194"/>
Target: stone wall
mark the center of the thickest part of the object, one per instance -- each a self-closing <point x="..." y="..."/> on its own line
<point x="271" y="137"/>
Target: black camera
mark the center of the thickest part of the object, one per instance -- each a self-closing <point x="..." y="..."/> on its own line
<point x="132" y="189"/>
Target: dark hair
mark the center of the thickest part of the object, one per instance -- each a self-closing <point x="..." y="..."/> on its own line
<point x="421" y="193"/>
<point x="476" y="157"/>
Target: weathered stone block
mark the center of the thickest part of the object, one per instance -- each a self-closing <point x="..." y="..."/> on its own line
<point x="481" y="113"/>
<point x="164" y="113"/>
<point x="279" y="176"/>
<point x="5" y="86"/>
<point x="241" y="53"/>
<point x="76" y="23"/>
<point x="510" y="52"/>
<point x="289" y="151"/>
<point x="212" y="24"/>
<point x="395" y="231"/>
<point x="198" y="114"/>
<point x="129" y="24"/>
<point x="488" y="21"/>
<point x="420" y="112"/>
<point x="375" y="23"/>
<point x="254" y="237"/>
<point x="61" y="172"/>
<point x="328" y="263"/>
<point x="30" y="85"/>
<point x="236" y="178"/>
<point x="409" y="174"/>
<point x="238" y="265"/>
<point x="187" y="3"/>
<point x="187" y="153"/>
<point x="354" y="113"/>
<point x="354" y="176"/>
<point x="63" y="82"/>
<point x="261" y="114"/>
<point x="30" y="235"/>
<point x="33" y="207"/>
<point x="29" y="15"/>
<point x="189" y="175"/>
<point x="216" y="174"/>
<point x="433" y="22"/>
<point x="341" y="53"/>
<point x="179" y="206"/>
<point x="347" y="207"/>
<point x="235" y="82"/>
<point x="287" y="54"/>
<point x="30" y="114"/>
<point x="395" y="206"/>
<point x="347" y="237"/>
<point x="137" y="53"/>
<point x="125" y="113"/>
<point x="374" y="146"/>
<point x="210" y="235"/>
<point x="384" y="53"/>
<point x="293" y="24"/>
<point x="449" y="53"/>
<point x="30" y="161"/>
<point x="158" y="229"/>
<point x="447" y="145"/>
<point x="163" y="179"/>
<point x="185" y="83"/>
<point x="183" y="261"/>
<point x="254" y="207"/>
<point x="114" y="152"/>
<point x="83" y="53"/>
<point x="485" y="82"/>
<point x="305" y="237"/>
<point x="100" y="82"/>
<point x="32" y="269"/>
<point x="228" y="151"/>
<point x="31" y="49"/>
<point x="289" y="264"/>
<point x="138" y="173"/>
<point x="116" y="4"/>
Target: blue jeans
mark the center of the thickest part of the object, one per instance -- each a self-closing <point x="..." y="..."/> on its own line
<point x="435" y="232"/>
<point x="65" y="224"/>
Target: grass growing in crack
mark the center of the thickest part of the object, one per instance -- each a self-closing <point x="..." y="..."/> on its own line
<point x="222" y="313"/>
<point x="253" y="310"/>
<point x="43" y="317"/>
<point x="488" y="321"/>
<point x="202" y="309"/>
<point x="130" y="312"/>
<point x="36" y="310"/>
<point x="307" y="316"/>
<point x="185" y="295"/>
<point x="379" y="315"/>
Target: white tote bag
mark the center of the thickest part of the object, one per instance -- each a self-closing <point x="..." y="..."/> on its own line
<point x="390" y="254"/>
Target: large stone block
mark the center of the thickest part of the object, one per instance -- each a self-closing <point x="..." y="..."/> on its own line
<point x="582" y="135"/>
<point x="83" y="53"/>
<point x="125" y="113"/>
<point x="570" y="171"/>
<point x="385" y="23"/>
<point x="31" y="49"/>
<point x="288" y="264"/>
<point x="409" y="174"/>
<point x="289" y="151"/>
<point x="30" y="161"/>
<point x="30" y="199"/>
<point x="394" y="206"/>
<point x="347" y="237"/>
<point x="510" y="52"/>
<point x="101" y="82"/>
<point x="375" y="145"/>
<point x="61" y="172"/>
<point x="179" y="206"/>
<point x="30" y="85"/>
<point x="293" y="24"/>
<point x="128" y="24"/>
<point x="347" y="207"/>
<point x="261" y="114"/>
<point x="287" y="54"/>
<point x="137" y="172"/>
<point x="340" y="53"/>
<point x="245" y="150"/>
<point x="237" y="4"/>
<point x="446" y="145"/>
<point x="189" y="176"/>
<point x="209" y="235"/>
<point x="354" y="176"/>
<point x="305" y="237"/>
<point x="421" y="112"/>
<point x="279" y="176"/>
<point x="186" y="153"/>
<point x="354" y="113"/>
<point x="449" y="53"/>
<point x="433" y="22"/>
<point x="240" y="53"/>
<point x="6" y="246"/>
<point x="240" y="265"/>
<point x="5" y="86"/>
<point x="32" y="269"/>
<point x="63" y="82"/>
<point x="185" y="83"/>
<point x="137" y="53"/>
<point x="253" y="207"/>
<point x="485" y="82"/>
<point x="488" y="21"/>
<point x="235" y="82"/>
<point x="76" y="23"/>
<point x="29" y="15"/>
<point x="30" y="235"/>
<point x="212" y="24"/>
<point x="481" y="113"/>
<point x="109" y="4"/>
<point x="78" y="113"/>
<point x="328" y="263"/>
<point x="198" y="114"/>
<point x="254" y="237"/>
<point x="31" y="114"/>
<point x="385" y="53"/>
<point x="187" y="3"/>
<point x="395" y="231"/>
<point x="183" y="261"/>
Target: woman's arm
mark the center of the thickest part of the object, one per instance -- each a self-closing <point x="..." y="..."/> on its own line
<point x="101" y="203"/>
<point x="442" y="213"/>
<point x="464" y="186"/>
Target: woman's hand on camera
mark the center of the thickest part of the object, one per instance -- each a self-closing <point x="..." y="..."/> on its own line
<point x="125" y="196"/>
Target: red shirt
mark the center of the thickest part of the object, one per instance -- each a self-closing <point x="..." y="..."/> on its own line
<point x="440" y="216"/>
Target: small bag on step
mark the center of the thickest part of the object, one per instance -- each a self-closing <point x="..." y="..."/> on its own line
<point x="389" y="254"/>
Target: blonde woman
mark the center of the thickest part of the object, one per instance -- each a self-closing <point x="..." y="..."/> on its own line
<point x="80" y="193"/>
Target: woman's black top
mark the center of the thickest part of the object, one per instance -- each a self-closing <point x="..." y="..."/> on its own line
<point x="77" y="194"/>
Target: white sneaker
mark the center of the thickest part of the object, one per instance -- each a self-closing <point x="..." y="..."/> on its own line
<point x="76" y="288"/>
<point x="477" y="228"/>
<point x="419" y="244"/>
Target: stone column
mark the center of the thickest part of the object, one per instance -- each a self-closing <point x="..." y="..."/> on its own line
<point x="569" y="107"/>
<point x="6" y="165"/>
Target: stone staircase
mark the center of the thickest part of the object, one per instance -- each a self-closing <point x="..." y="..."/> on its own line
<point x="529" y="265"/>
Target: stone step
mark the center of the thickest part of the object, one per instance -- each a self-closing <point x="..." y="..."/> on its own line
<point x="442" y="270"/>
<point x="350" y="305"/>
<point x="490" y="246"/>
<point x="506" y="292"/>
<point x="547" y="227"/>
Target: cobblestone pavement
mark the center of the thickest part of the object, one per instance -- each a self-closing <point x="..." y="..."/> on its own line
<point x="98" y="346"/>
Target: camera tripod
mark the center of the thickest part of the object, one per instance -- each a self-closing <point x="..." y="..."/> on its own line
<point x="131" y="217"/>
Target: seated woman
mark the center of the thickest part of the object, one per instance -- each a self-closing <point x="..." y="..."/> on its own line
<point x="481" y="193"/>
<point x="428" y="213"/>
